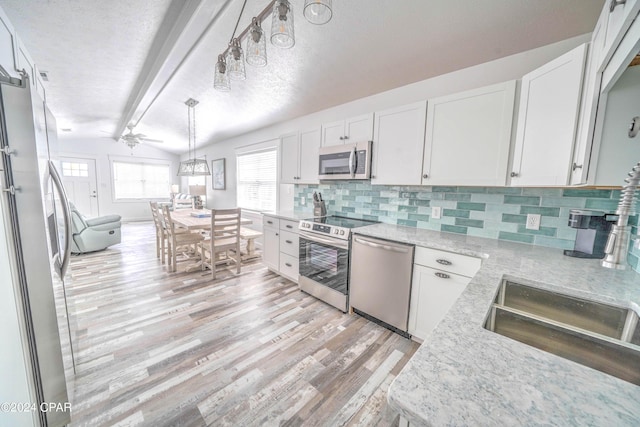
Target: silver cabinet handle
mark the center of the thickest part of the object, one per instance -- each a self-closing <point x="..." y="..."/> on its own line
<point x="289" y="226"/>
<point x="269" y="222"/>
<point x="384" y="247"/>
<point x="425" y="176"/>
<point x="342" y="138"/>
<point x="442" y="261"/>
<point x="287" y="264"/>
<point x="615" y="3"/>
<point x="66" y="213"/>
<point x="576" y="166"/>
<point x="514" y="174"/>
<point x="289" y="241"/>
<point x="442" y="275"/>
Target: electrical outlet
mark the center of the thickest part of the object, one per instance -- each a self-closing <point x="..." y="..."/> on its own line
<point x="533" y="221"/>
<point x="436" y="212"/>
<point x="303" y="200"/>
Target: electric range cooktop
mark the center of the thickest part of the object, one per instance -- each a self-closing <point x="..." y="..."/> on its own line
<point x="333" y="225"/>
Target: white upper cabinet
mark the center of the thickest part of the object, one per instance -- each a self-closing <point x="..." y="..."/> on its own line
<point x="7" y="45"/>
<point x="619" y="18"/>
<point x="398" y="143"/>
<point x="547" y="121"/>
<point x="309" y="146"/>
<point x="468" y="137"/>
<point x="355" y="129"/>
<point x="299" y="157"/>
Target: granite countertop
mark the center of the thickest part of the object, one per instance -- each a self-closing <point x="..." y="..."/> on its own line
<point x="290" y="215"/>
<point x="464" y="374"/>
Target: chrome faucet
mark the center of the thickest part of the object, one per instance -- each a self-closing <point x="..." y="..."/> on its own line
<point x="618" y="241"/>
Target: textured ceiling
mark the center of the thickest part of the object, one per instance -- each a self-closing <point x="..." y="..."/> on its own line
<point x="99" y="54"/>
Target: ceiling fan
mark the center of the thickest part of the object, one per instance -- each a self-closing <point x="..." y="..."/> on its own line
<point x="133" y="139"/>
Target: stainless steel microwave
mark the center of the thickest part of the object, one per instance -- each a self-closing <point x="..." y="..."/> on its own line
<point x="348" y="161"/>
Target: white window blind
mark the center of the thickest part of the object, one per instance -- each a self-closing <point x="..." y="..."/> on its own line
<point x="140" y="180"/>
<point x="257" y="173"/>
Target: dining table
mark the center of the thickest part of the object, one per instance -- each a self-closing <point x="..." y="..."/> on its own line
<point x="200" y="219"/>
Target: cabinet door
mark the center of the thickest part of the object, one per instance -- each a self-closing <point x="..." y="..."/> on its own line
<point x="468" y="137"/>
<point x="359" y="129"/>
<point x="398" y="143"/>
<point x="589" y="105"/>
<point x="289" y="156"/>
<point x="333" y="133"/>
<point x="7" y="45"/>
<point x="433" y="293"/>
<point x="547" y="120"/>
<point x="271" y="249"/>
<point x="618" y="21"/>
<point x="309" y="145"/>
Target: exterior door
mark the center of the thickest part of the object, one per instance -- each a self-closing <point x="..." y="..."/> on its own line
<point x="79" y="178"/>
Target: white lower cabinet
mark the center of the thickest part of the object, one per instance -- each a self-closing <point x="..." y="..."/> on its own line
<point x="439" y="278"/>
<point x="280" y="252"/>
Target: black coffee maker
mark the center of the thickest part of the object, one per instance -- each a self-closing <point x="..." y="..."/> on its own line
<point x="593" y="231"/>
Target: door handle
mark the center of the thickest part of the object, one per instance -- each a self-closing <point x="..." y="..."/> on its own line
<point x="352" y="162"/>
<point x="66" y="214"/>
<point x="383" y="247"/>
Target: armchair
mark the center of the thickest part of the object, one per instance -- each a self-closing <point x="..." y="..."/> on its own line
<point x="95" y="234"/>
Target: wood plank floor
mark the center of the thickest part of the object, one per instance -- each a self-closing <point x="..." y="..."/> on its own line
<point x="178" y="349"/>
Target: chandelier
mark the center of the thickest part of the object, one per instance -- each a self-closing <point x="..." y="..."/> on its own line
<point x="231" y="62"/>
<point x="192" y="166"/>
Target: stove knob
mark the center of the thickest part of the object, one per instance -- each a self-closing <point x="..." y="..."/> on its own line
<point x="342" y="232"/>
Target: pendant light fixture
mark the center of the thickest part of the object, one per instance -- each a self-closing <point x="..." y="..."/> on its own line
<point x="230" y="63"/>
<point x="256" y="45"/>
<point x="235" y="61"/>
<point x="318" y="12"/>
<point x="282" y="25"/>
<point x="192" y="166"/>
<point x="221" y="78"/>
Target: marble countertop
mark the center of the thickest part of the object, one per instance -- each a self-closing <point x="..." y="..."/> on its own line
<point x="464" y="374"/>
<point x="290" y="215"/>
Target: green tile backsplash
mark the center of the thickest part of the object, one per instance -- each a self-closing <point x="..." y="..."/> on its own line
<point x="492" y="212"/>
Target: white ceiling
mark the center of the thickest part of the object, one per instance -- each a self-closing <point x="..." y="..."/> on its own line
<point x="111" y="62"/>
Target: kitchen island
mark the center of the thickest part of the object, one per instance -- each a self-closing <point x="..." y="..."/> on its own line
<point x="464" y="374"/>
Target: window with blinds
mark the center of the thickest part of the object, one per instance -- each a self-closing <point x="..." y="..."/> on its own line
<point x="140" y="180"/>
<point x="256" y="174"/>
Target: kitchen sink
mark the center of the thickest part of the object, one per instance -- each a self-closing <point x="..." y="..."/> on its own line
<point x="601" y="336"/>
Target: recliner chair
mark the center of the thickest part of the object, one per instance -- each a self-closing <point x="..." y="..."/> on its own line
<point x="95" y="234"/>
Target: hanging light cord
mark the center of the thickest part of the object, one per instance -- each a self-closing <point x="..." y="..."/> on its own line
<point x="238" y="21"/>
<point x="189" y="121"/>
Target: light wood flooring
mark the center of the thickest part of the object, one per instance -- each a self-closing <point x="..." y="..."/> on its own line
<point x="162" y="349"/>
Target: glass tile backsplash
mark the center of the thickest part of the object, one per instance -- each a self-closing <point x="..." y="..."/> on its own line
<point x="491" y="212"/>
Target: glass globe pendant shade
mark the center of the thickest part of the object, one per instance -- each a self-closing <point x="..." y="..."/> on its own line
<point x="220" y="77"/>
<point x="256" y="45"/>
<point x="282" y="25"/>
<point x="318" y="11"/>
<point x="235" y="61"/>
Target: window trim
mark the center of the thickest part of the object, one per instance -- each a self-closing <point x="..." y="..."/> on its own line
<point x="137" y="161"/>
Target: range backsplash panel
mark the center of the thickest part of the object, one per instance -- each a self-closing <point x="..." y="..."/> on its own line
<point x="491" y="212"/>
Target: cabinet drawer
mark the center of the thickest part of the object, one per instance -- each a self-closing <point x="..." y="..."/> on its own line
<point x="270" y="221"/>
<point x="448" y="261"/>
<point x="289" y="266"/>
<point x="288" y="225"/>
<point x="289" y="243"/>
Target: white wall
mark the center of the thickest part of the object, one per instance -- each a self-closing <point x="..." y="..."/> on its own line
<point x="508" y="68"/>
<point x="100" y="149"/>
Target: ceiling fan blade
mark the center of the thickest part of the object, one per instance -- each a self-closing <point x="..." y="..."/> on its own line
<point x="151" y="140"/>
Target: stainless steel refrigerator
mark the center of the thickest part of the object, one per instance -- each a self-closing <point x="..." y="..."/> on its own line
<point x="34" y="255"/>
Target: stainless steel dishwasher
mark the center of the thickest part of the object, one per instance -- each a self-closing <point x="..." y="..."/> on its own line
<point x="380" y="281"/>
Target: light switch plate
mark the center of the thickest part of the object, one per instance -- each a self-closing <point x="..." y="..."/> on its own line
<point x="533" y="221"/>
<point x="436" y="212"/>
<point x="303" y="201"/>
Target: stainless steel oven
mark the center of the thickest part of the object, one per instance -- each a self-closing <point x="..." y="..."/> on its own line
<point x="325" y="243"/>
<point x="324" y="268"/>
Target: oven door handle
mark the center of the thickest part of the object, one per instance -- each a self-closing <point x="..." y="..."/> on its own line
<point x="313" y="238"/>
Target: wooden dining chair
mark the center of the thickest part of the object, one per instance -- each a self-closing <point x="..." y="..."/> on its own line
<point x="179" y="240"/>
<point x="160" y="232"/>
<point x="224" y="238"/>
